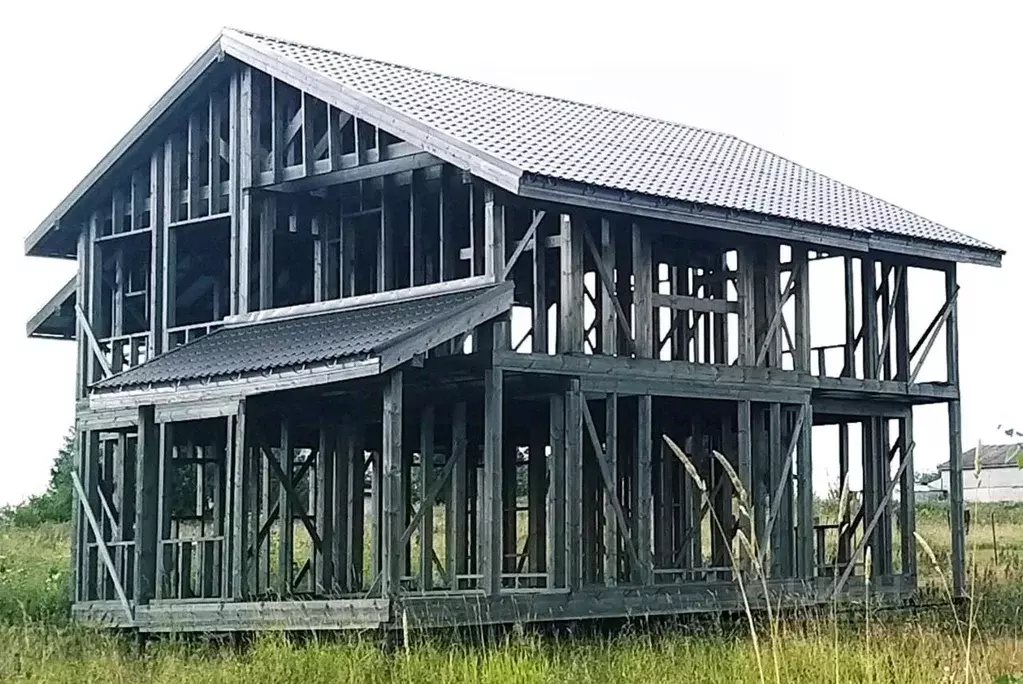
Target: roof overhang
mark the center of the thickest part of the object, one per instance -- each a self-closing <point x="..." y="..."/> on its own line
<point x="546" y="189"/>
<point x="56" y="318"/>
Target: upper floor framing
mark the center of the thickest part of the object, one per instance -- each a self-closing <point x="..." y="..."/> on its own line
<point x="252" y="186"/>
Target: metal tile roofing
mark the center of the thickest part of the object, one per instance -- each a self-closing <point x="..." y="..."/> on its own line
<point x="602" y="147"/>
<point x="348" y="334"/>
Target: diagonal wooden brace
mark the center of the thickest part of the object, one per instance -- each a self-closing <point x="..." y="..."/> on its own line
<point x="609" y="485"/>
<point x="296" y="501"/>
<point x="102" y="547"/>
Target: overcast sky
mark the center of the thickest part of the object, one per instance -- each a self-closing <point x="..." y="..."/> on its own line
<point x="920" y="106"/>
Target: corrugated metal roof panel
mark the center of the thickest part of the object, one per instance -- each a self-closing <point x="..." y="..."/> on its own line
<point x="612" y="149"/>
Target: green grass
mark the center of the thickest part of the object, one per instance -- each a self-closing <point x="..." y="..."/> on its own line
<point x="39" y="644"/>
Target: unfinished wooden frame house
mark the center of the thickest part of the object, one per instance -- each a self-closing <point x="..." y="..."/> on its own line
<point x="360" y="344"/>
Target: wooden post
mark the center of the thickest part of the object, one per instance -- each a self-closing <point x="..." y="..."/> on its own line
<point x="804" y="505"/>
<point x="570" y="305"/>
<point x="457" y="517"/>
<point x="164" y="554"/>
<point x="907" y="500"/>
<point x="610" y="519"/>
<point x="573" y="484"/>
<point x="849" y="369"/>
<point x="426" y="476"/>
<point x="643" y="496"/>
<point x="747" y="341"/>
<point x="955" y="439"/>
<point x="801" y="269"/>
<point x="325" y="510"/>
<point x="643" y="289"/>
<point x="392" y="486"/>
<point x="147" y="484"/>
<point x="240" y="536"/>
<point x="744" y="460"/>
<point x="286" y="519"/>
<point x="537" y="485"/>
<point x="491" y="527"/>
<point x="869" y="305"/>
<point x="557" y="529"/>
<point x="539" y="311"/>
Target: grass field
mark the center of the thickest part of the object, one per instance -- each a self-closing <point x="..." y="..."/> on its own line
<point x="984" y="644"/>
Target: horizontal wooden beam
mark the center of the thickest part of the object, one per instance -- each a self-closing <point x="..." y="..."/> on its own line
<point x="689" y="303"/>
<point x="388" y="167"/>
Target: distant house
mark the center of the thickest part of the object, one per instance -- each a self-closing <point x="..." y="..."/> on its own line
<point x="999" y="479"/>
<point x="931" y="491"/>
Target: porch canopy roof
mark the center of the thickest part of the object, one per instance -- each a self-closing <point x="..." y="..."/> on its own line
<point x="308" y="345"/>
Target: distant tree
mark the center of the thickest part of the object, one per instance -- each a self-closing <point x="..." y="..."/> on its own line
<point x="53" y="505"/>
<point x="927" y="478"/>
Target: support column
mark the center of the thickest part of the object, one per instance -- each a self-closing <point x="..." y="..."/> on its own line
<point x="573" y="484"/>
<point x="242" y="475"/>
<point x="491" y="528"/>
<point x="457" y="517"/>
<point x="556" y="577"/>
<point x="643" y="495"/>
<point x="955" y="439"/>
<point x="392" y="489"/>
<point x="804" y="505"/>
<point x="146" y="497"/>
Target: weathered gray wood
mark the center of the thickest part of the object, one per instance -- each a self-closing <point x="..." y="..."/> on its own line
<point x="491" y="528"/>
<point x="610" y="485"/>
<point x="868" y="333"/>
<point x="557" y="528"/>
<point x="146" y="496"/>
<point x="570" y="304"/>
<point x="907" y="501"/>
<point x="456" y="520"/>
<point x="783" y="481"/>
<point x="643" y="290"/>
<point x="97" y="352"/>
<point x="611" y="308"/>
<point x="869" y="529"/>
<point x="391" y="485"/>
<point x="428" y="496"/>
<point x="286" y="520"/>
<point x="955" y="439"/>
<point x="536" y="486"/>
<point x="747" y="307"/>
<point x="526" y="241"/>
<point x="611" y="504"/>
<point x="643" y="484"/>
<point x="573" y="485"/>
<point x="804" y="505"/>
<point x="945" y="316"/>
<point x="165" y="468"/>
<point x="101" y="546"/>
<point x="325" y="508"/>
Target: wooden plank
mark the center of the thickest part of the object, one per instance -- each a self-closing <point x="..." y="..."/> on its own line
<point x="907" y="500"/>
<point x="801" y="355"/>
<point x="573" y="485"/>
<point x="610" y="306"/>
<point x="428" y="495"/>
<point x="97" y="351"/>
<point x="570" y="304"/>
<point x="391" y="485"/>
<point x="165" y="468"/>
<point x="490" y="562"/>
<point x="240" y="511"/>
<point x="868" y="304"/>
<point x="457" y="517"/>
<point x="610" y="489"/>
<point x="643" y="482"/>
<point x="540" y="300"/>
<point x="613" y="308"/>
<point x="527" y="241"/>
<point x="869" y="529"/>
<point x="955" y="439"/>
<point x="643" y="290"/>
<point x="326" y="486"/>
<point x="944" y="317"/>
<point x="805" y="502"/>
<point x="536" y="485"/>
<point x="690" y="303"/>
<point x="146" y="496"/>
<point x="744" y="463"/>
<point x="286" y="520"/>
<point x="267" y="231"/>
<point x="783" y="480"/>
<point x="557" y="528"/>
<point x="102" y="547"/>
<point x="746" y="288"/>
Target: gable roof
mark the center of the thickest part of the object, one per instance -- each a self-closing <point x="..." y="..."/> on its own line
<point x="529" y="144"/>
<point x="991" y="456"/>
<point x="322" y="341"/>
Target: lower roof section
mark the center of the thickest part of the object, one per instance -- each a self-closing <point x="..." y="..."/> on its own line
<point x="310" y="349"/>
<point x="56" y="318"/>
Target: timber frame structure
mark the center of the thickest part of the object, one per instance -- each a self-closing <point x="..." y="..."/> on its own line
<point x="360" y="344"/>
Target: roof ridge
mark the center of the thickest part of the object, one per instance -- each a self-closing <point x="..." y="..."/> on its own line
<point x="488" y="84"/>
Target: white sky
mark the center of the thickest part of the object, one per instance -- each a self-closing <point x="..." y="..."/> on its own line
<point x="918" y="105"/>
